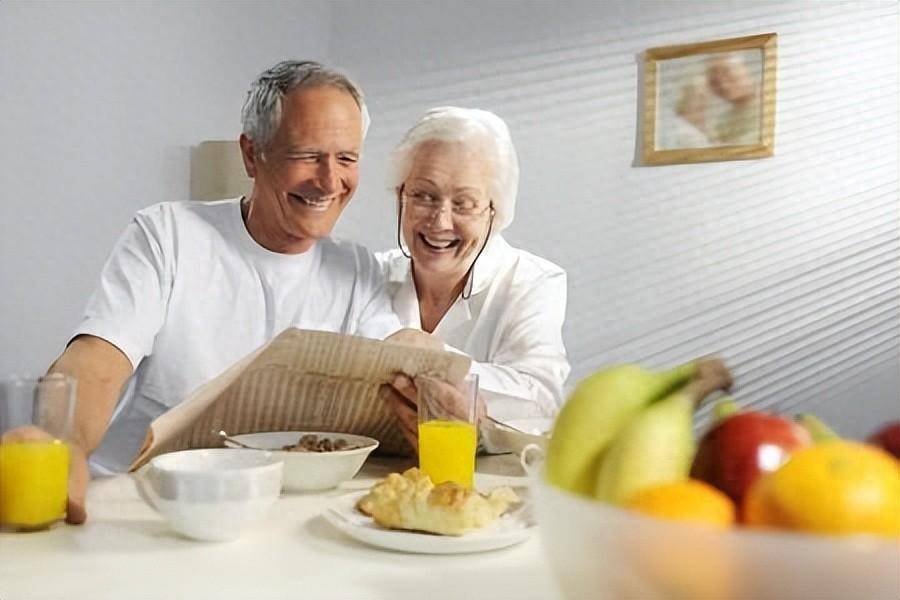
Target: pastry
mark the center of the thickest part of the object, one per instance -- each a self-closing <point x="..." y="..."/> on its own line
<point x="411" y="501"/>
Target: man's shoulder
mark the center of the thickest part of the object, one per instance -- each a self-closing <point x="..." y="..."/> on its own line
<point x="187" y="209"/>
<point x="393" y="263"/>
<point x="167" y="218"/>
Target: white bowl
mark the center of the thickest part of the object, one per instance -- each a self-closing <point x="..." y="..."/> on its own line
<point x="310" y="471"/>
<point x="600" y="551"/>
<point x="212" y="494"/>
<point x="513" y="435"/>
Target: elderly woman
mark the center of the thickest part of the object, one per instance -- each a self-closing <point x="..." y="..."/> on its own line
<point x="456" y="175"/>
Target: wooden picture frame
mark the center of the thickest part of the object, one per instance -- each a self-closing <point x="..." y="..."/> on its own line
<point x="710" y="101"/>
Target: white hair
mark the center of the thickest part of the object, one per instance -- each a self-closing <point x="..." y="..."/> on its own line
<point x="261" y="113"/>
<point x="469" y="126"/>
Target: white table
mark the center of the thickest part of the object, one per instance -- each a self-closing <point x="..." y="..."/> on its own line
<point x="126" y="551"/>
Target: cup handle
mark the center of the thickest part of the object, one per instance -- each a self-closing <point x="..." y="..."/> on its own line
<point x="531" y="459"/>
<point x="143" y="487"/>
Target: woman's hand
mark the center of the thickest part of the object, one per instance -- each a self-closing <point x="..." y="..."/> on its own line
<point x="402" y="396"/>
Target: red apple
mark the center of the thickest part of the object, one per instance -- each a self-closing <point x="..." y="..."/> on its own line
<point x="742" y="446"/>
<point x="887" y="437"/>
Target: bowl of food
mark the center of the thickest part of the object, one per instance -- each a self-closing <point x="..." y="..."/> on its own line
<point x="211" y="494"/>
<point x="630" y="505"/>
<point x="313" y="460"/>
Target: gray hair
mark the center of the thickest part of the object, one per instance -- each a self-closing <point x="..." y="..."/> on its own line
<point x="467" y="125"/>
<point x="261" y="114"/>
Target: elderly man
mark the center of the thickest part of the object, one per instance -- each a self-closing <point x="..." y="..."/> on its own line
<point x="190" y="288"/>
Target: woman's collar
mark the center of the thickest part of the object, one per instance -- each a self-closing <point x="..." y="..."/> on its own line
<point x="489" y="263"/>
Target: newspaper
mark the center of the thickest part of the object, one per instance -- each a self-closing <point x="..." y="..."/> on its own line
<point x="301" y="381"/>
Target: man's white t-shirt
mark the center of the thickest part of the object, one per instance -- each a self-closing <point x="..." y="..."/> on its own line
<point x="187" y="292"/>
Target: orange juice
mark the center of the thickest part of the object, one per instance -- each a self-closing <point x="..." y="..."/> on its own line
<point x="447" y="451"/>
<point x="33" y="483"/>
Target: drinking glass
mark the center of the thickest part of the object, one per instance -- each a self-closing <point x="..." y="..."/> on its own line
<point x="35" y="426"/>
<point x="448" y="435"/>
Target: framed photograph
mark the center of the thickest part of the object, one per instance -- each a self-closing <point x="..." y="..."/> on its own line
<point x="710" y="101"/>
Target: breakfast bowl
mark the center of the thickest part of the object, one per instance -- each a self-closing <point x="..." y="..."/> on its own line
<point x="211" y="494"/>
<point x="328" y="459"/>
<point x="600" y="551"/>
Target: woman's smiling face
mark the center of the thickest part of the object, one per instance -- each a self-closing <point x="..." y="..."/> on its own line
<point x="446" y="206"/>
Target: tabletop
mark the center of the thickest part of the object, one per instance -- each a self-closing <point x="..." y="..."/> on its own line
<point x="126" y="550"/>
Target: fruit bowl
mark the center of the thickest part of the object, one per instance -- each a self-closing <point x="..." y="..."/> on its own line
<point x="599" y="551"/>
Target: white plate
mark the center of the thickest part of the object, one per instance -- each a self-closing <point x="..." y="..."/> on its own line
<point x="503" y="532"/>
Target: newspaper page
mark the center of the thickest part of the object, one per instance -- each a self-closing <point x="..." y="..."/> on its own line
<point x="301" y="381"/>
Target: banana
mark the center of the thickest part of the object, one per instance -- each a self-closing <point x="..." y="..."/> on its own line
<point x="601" y="405"/>
<point x="657" y="445"/>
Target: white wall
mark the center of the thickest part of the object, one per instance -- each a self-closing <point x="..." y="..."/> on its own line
<point x="785" y="266"/>
<point x="100" y="105"/>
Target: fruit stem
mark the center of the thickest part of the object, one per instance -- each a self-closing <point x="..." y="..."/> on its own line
<point x="676" y="378"/>
<point x="712" y="375"/>
<point x="724" y="408"/>
<point x="818" y="430"/>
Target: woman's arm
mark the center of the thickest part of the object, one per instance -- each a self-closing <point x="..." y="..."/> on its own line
<point x="528" y="367"/>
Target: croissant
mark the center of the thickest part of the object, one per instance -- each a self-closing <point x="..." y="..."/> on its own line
<point x="411" y="501"/>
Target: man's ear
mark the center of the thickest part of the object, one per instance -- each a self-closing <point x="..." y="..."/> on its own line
<point x="248" y="154"/>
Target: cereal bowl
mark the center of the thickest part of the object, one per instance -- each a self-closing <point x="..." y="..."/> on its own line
<point x="306" y="471"/>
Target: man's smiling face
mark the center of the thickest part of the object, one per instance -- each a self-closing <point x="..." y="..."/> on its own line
<point x="308" y="172"/>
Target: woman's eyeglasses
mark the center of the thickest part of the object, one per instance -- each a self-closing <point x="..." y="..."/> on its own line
<point x="425" y="203"/>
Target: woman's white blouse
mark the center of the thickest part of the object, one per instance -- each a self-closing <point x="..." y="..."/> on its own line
<point x="511" y="326"/>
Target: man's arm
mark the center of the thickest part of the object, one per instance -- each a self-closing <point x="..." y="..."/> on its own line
<point x="101" y="370"/>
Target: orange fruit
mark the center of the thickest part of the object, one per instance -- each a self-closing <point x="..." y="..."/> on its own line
<point x="687" y="500"/>
<point x="836" y="488"/>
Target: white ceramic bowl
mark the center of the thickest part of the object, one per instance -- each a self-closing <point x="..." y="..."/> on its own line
<point x="514" y="435"/>
<point x="311" y="471"/>
<point x="598" y="551"/>
<point x="212" y="494"/>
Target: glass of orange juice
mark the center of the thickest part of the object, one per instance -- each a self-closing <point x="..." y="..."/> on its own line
<point x="35" y="425"/>
<point x="448" y="433"/>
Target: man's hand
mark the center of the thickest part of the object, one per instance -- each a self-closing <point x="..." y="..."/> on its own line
<point x="101" y="370"/>
<point x="417" y="338"/>
<point x="78" y="469"/>
<point x="79" y="477"/>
